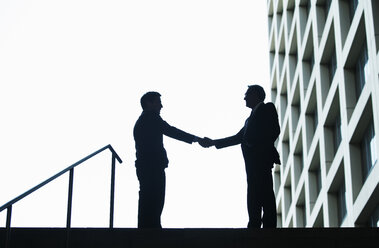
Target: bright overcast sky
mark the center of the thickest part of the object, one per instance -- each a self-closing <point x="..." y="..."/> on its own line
<point x="71" y="76"/>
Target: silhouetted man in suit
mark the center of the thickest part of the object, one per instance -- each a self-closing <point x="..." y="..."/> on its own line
<point x="257" y="139"/>
<point x="152" y="159"/>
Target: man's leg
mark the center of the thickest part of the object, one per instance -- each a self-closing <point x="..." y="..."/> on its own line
<point x="159" y="196"/>
<point x="151" y="197"/>
<point x="254" y="205"/>
<point x="144" y="201"/>
<point x="269" y="204"/>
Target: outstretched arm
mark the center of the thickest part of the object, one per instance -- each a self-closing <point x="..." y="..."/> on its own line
<point x="230" y="141"/>
<point x="176" y="133"/>
<point x="225" y="142"/>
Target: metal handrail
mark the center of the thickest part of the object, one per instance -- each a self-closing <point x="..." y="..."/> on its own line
<point x="9" y="204"/>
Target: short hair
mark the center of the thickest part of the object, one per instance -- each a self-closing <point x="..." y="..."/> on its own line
<point x="148" y="97"/>
<point x="258" y="90"/>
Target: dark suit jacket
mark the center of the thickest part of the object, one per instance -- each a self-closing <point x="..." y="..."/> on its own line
<point x="257" y="137"/>
<point x="148" y="135"/>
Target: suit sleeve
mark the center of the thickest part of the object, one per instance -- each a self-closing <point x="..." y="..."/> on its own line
<point x="230" y="141"/>
<point x="175" y="133"/>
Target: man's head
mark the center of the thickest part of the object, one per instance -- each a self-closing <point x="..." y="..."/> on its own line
<point x="151" y="101"/>
<point x="254" y="95"/>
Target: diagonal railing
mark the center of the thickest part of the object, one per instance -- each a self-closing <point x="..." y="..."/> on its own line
<point x="8" y="205"/>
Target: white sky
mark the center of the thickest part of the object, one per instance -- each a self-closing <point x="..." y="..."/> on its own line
<point x="71" y="76"/>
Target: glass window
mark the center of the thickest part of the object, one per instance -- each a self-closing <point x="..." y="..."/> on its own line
<point x="353" y="8"/>
<point x="369" y="152"/>
<point x="373" y="151"/>
<point x="374" y="220"/>
<point x="308" y="6"/>
<point x="315" y="119"/>
<point x="361" y="71"/>
<point x="327" y="6"/>
<point x="332" y="66"/>
<point x="304" y="216"/>
<point x="337" y="133"/>
<point x="319" y="181"/>
<point x="341" y="201"/>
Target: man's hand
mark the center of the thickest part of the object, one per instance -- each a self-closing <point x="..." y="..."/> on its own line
<point x="206" y="142"/>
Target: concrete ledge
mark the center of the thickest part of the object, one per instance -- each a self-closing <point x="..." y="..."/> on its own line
<point x="135" y="238"/>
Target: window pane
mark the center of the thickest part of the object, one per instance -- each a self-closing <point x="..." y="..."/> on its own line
<point x="332" y="66"/>
<point x="362" y="71"/>
<point x="337" y="133"/>
<point x="374" y="220"/>
<point x="366" y="157"/>
<point x="353" y="7"/>
<point x="369" y="152"/>
<point x="366" y="67"/>
<point x="374" y="155"/>
<point x="341" y="203"/>
<point x="327" y="6"/>
<point x="319" y="181"/>
<point x="315" y="119"/>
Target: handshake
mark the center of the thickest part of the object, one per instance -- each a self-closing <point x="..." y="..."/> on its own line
<point x="206" y="142"/>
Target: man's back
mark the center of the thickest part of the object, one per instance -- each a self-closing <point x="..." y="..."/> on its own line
<point x="260" y="134"/>
<point x="148" y="136"/>
<point x="263" y="127"/>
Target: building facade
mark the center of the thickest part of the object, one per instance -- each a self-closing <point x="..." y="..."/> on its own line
<point x="324" y="68"/>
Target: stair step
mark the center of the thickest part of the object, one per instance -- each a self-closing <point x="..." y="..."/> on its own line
<point x="192" y="237"/>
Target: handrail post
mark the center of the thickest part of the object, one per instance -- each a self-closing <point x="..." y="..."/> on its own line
<point x="69" y="206"/>
<point x="8" y="227"/>
<point x="69" y="201"/>
<point x="111" y="211"/>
